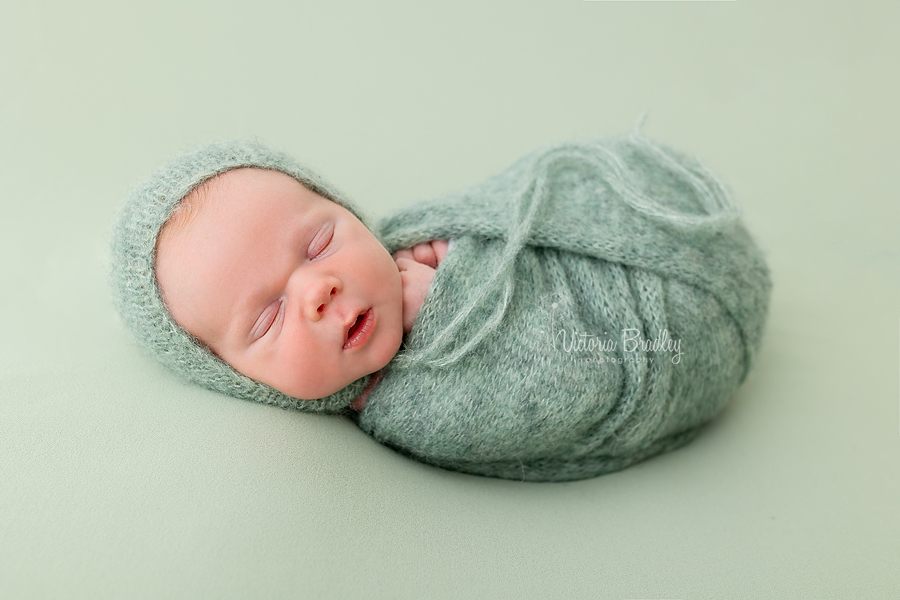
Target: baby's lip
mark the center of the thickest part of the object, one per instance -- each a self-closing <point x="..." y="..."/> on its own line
<point x="358" y="328"/>
<point x="350" y="320"/>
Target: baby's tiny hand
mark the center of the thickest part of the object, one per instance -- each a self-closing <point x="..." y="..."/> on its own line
<point x="415" y="279"/>
<point x="428" y="253"/>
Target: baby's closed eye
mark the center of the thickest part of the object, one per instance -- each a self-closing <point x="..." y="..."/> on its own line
<point x="267" y="321"/>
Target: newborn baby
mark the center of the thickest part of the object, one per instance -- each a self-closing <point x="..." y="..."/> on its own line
<point x="590" y="306"/>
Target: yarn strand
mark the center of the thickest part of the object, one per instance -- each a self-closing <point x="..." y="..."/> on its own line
<point x="721" y="213"/>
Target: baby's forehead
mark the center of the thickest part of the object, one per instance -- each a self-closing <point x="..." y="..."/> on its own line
<point x="207" y="196"/>
<point x="233" y="180"/>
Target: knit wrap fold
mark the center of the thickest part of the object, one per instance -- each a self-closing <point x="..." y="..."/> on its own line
<point x="136" y="291"/>
<point x="511" y="370"/>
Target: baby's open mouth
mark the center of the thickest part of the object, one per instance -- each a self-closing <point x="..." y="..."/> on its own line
<point x="355" y="327"/>
<point x="361" y="329"/>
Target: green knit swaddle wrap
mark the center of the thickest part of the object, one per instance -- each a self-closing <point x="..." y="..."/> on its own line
<point x="545" y="349"/>
<point x="133" y="277"/>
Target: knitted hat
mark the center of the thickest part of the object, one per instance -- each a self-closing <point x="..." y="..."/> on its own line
<point x="136" y="292"/>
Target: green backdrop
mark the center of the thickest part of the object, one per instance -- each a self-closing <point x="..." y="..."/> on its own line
<point x="118" y="481"/>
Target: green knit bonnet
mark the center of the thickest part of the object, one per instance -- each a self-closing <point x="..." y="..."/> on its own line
<point x="136" y="292"/>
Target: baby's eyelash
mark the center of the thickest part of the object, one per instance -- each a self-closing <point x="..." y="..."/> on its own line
<point x="328" y="243"/>
<point x="330" y="234"/>
<point x="268" y="326"/>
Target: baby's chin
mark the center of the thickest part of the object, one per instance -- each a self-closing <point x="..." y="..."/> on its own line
<point x="324" y="390"/>
<point x="318" y="392"/>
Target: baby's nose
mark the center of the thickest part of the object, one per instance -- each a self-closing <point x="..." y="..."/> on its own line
<point x="320" y="298"/>
<point x="321" y="307"/>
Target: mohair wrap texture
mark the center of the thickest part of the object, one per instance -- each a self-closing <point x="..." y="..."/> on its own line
<point x="611" y="240"/>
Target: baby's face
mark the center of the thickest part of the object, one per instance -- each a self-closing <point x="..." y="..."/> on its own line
<point x="286" y="286"/>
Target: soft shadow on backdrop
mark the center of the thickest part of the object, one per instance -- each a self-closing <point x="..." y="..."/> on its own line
<point x="119" y="481"/>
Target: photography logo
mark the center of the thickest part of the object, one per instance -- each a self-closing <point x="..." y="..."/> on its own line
<point x="560" y="317"/>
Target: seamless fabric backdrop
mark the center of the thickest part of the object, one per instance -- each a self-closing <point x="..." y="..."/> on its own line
<point x="118" y="481"/>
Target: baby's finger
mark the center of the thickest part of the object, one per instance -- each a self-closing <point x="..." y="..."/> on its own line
<point x="424" y="253"/>
<point x="404" y="263"/>
<point x="405" y="253"/>
<point x="440" y="249"/>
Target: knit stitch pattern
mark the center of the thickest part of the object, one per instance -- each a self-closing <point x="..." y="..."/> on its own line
<point x="595" y="239"/>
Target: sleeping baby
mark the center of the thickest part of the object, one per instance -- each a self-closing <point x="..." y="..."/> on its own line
<point x="287" y="287"/>
<point x="592" y="305"/>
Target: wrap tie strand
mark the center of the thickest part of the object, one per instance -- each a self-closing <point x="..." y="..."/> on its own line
<point x="501" y="279"/>
<point x="721" y="213"/>
<point x="718" y="204"/>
